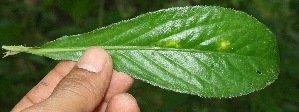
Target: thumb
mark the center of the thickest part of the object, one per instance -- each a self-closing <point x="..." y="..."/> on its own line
<point x="84" y="87"/>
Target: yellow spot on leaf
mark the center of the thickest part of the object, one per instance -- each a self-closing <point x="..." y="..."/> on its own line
<point x="224" y="45"/>
<point x="172" y="44"/>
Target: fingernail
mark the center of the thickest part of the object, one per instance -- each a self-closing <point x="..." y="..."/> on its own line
<point x="93" y="59"/>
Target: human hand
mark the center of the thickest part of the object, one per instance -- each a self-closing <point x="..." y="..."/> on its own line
<point x="91" y="84"/>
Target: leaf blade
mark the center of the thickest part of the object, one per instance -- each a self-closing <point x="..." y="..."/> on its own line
<point x="207" y="51"/>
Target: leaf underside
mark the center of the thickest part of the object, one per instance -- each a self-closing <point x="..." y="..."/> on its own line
<point x="200" y="50"/>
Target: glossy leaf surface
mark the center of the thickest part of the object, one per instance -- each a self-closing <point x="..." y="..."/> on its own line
<point x="201" y="50"/>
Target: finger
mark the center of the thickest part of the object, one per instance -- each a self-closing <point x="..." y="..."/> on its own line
<point x="123" y="103"/>
<point x="45" y="87"/>
<point x="84" y="87"/>
<point x="120" y="83"/>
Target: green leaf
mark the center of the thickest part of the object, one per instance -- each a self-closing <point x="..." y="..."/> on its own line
<point x="201" y="50"/>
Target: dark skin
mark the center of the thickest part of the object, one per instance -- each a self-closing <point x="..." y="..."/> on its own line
<point x="88" y="85"/>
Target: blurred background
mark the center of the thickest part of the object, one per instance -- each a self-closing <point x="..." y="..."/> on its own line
<point x="35" y="22"/>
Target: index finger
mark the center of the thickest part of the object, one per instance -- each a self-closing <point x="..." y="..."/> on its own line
<point x="46" y="86"/>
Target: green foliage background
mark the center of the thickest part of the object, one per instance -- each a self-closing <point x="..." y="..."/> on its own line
<point x="34" y="22"/>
